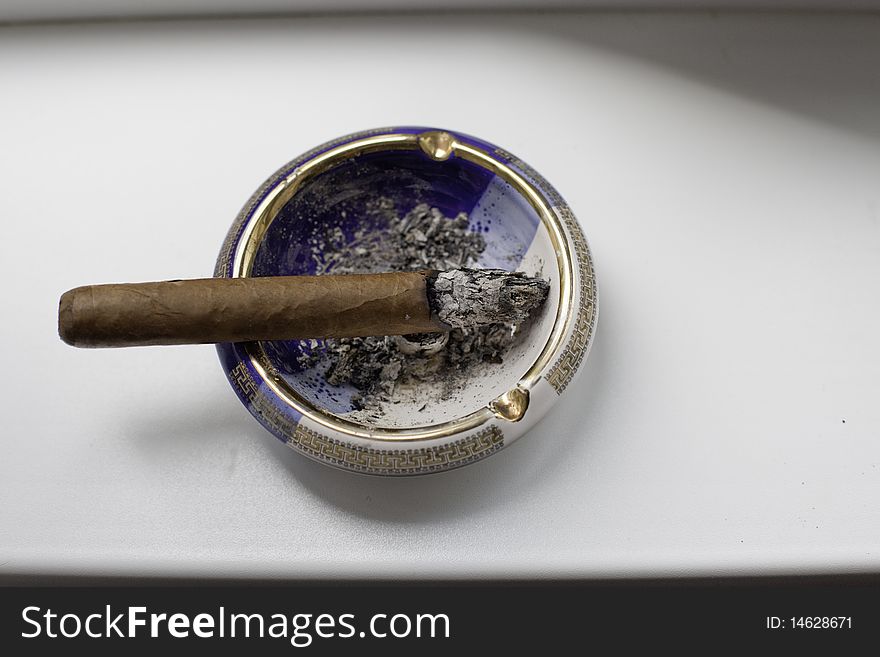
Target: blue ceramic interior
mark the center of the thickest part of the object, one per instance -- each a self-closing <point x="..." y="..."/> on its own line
<point x="339" y="199"/>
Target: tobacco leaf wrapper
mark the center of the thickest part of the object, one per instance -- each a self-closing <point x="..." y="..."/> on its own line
<point x="243" y="309"/>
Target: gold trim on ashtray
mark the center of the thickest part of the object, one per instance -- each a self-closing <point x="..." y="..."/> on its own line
<point x="440" y="146"/>
<point x="512" y="405"/>
<point x="437" y="144"/>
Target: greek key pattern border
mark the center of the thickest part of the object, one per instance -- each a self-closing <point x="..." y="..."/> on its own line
<point x="397" y="462"/>
<point x="274" y="419"/>
<point x="361" y="459"/>
<point x="563" y="370"/>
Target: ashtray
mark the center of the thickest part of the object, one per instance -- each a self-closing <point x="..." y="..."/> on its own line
<point x="323" y="196"/>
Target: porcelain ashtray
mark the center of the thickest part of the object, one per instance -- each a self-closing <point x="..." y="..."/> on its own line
<point x="526" y="226"/>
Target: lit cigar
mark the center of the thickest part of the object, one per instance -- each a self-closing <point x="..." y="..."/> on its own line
<point x="215" y="310"/>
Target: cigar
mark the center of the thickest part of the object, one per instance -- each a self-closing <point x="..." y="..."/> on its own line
<point x="213" y="310"/>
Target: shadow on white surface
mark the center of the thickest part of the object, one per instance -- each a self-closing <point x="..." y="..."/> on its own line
<point x="210" y="423"/>
<point x="822" y="69"/>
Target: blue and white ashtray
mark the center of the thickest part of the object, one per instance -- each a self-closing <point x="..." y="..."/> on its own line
<point x="527" y="227"/>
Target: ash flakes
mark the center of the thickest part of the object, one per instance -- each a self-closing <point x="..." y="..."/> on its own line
<point x="385" y="369"/>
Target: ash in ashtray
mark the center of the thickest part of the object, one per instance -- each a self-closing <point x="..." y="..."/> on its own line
<point x="379" y="367"/>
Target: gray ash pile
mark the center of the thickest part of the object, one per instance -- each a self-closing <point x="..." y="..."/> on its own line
<point x="376" y="366"/>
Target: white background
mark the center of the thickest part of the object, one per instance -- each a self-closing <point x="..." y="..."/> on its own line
<point x="726" y="169"/>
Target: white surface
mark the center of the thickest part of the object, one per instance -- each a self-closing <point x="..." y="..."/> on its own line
<point x="726" y="171"/>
